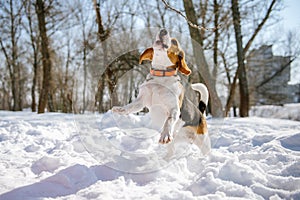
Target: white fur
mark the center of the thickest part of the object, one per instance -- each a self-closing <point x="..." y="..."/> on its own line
<point x="160" y="59"/>
<point x="203" y="91"/>
<point x="160" y="96"/>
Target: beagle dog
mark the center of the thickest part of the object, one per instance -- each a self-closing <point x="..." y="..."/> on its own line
<point x="164" y="95"/>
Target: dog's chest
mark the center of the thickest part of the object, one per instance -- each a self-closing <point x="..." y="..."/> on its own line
<point x="161" y="90"/>
<point x="161" y="60"/>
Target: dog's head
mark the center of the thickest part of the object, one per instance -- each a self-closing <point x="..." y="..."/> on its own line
<point x="162" y="41"/>
<point x="176" y="55"/>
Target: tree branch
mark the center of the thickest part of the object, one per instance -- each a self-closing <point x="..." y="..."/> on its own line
<point x="188" y="21"/>
<point x="259" y="27"/>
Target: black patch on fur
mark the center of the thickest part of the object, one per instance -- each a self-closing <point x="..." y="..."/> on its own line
<point x="190" y="114"/>
<point x="202" y="107"/>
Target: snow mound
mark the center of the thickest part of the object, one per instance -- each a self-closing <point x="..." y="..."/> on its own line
<point x="107" y="156"/>
<point x="291" y="142"/>
<point x="47" y="164"/>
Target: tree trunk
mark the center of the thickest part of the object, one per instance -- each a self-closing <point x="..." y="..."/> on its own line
<point x="216" y="106"/>
<point x="35" y="67"/>
<point x="12" y="56"/>
<point x="16" y="68"/>
<point x="230" y="99"/>
<point x="34" y="44"/>
<point x="10" y="62"/>
<point x="216" y="41"/>
<point x="102" y="35"/>
<point x="46" y="87"/>
<point x="111" y="83"/>
<point x="245" y="50"/>
<point x="243" y="84"/>
<point x="84" y="73"/>
<point x="99" y="95"/>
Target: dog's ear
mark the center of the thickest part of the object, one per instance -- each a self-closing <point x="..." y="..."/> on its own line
<point x="182" y="66"/>
<point x="177" y="55"/>
<point x="146" y="55"/>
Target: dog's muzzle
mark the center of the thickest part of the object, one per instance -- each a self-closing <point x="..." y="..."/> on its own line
<point x="162" y="38"/>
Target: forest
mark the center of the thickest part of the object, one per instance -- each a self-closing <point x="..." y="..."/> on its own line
<point x="79" y="56"/>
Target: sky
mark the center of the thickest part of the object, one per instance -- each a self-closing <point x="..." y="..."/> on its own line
<point x="291" y="21"/>
<point x="291" y="14"/>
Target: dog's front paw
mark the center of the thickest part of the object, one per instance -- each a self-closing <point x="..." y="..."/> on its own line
<point x="165" y="138"/>
<point x="120" y="110"/>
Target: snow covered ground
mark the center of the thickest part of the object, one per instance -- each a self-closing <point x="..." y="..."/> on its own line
<point x="65" y="156"/>
<point x="286" y="111"/>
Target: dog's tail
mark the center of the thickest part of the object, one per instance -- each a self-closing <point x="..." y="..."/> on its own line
<point x="202" y="89"/>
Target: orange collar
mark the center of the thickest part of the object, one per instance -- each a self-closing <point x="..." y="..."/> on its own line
<point x="163" y="73"/>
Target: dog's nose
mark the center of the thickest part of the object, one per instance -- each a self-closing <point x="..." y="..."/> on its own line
<point x="163" y="32"/>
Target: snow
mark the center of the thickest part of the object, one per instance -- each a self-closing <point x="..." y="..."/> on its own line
<point x="286" y="111"/>
<point x="108" y="156"/>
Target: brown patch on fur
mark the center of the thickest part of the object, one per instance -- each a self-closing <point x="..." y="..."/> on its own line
<point x="174" y="59"/>
<point x="183" y="68"/>
<point x="177" y="56"/>
<point x="201" y="128"/>
<point x="146" y="55"/>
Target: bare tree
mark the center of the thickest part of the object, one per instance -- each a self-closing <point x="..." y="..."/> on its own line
<point x="9" y="39"/>
<point x="5" y="97"/>
<point x="201" y="61"/>
<point x="66" y="88"/>
<point x="291" y="44"/>
<point x="51" y="19"/>
<point x="32" y="31"/>
<point x="109" y="75"/>
<point x="53" y="60"/>
<point x="46" y="60"/>
<point x="102" y="35"/>
<point x="86" y="42"/>
<point x="240" y="72"/>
